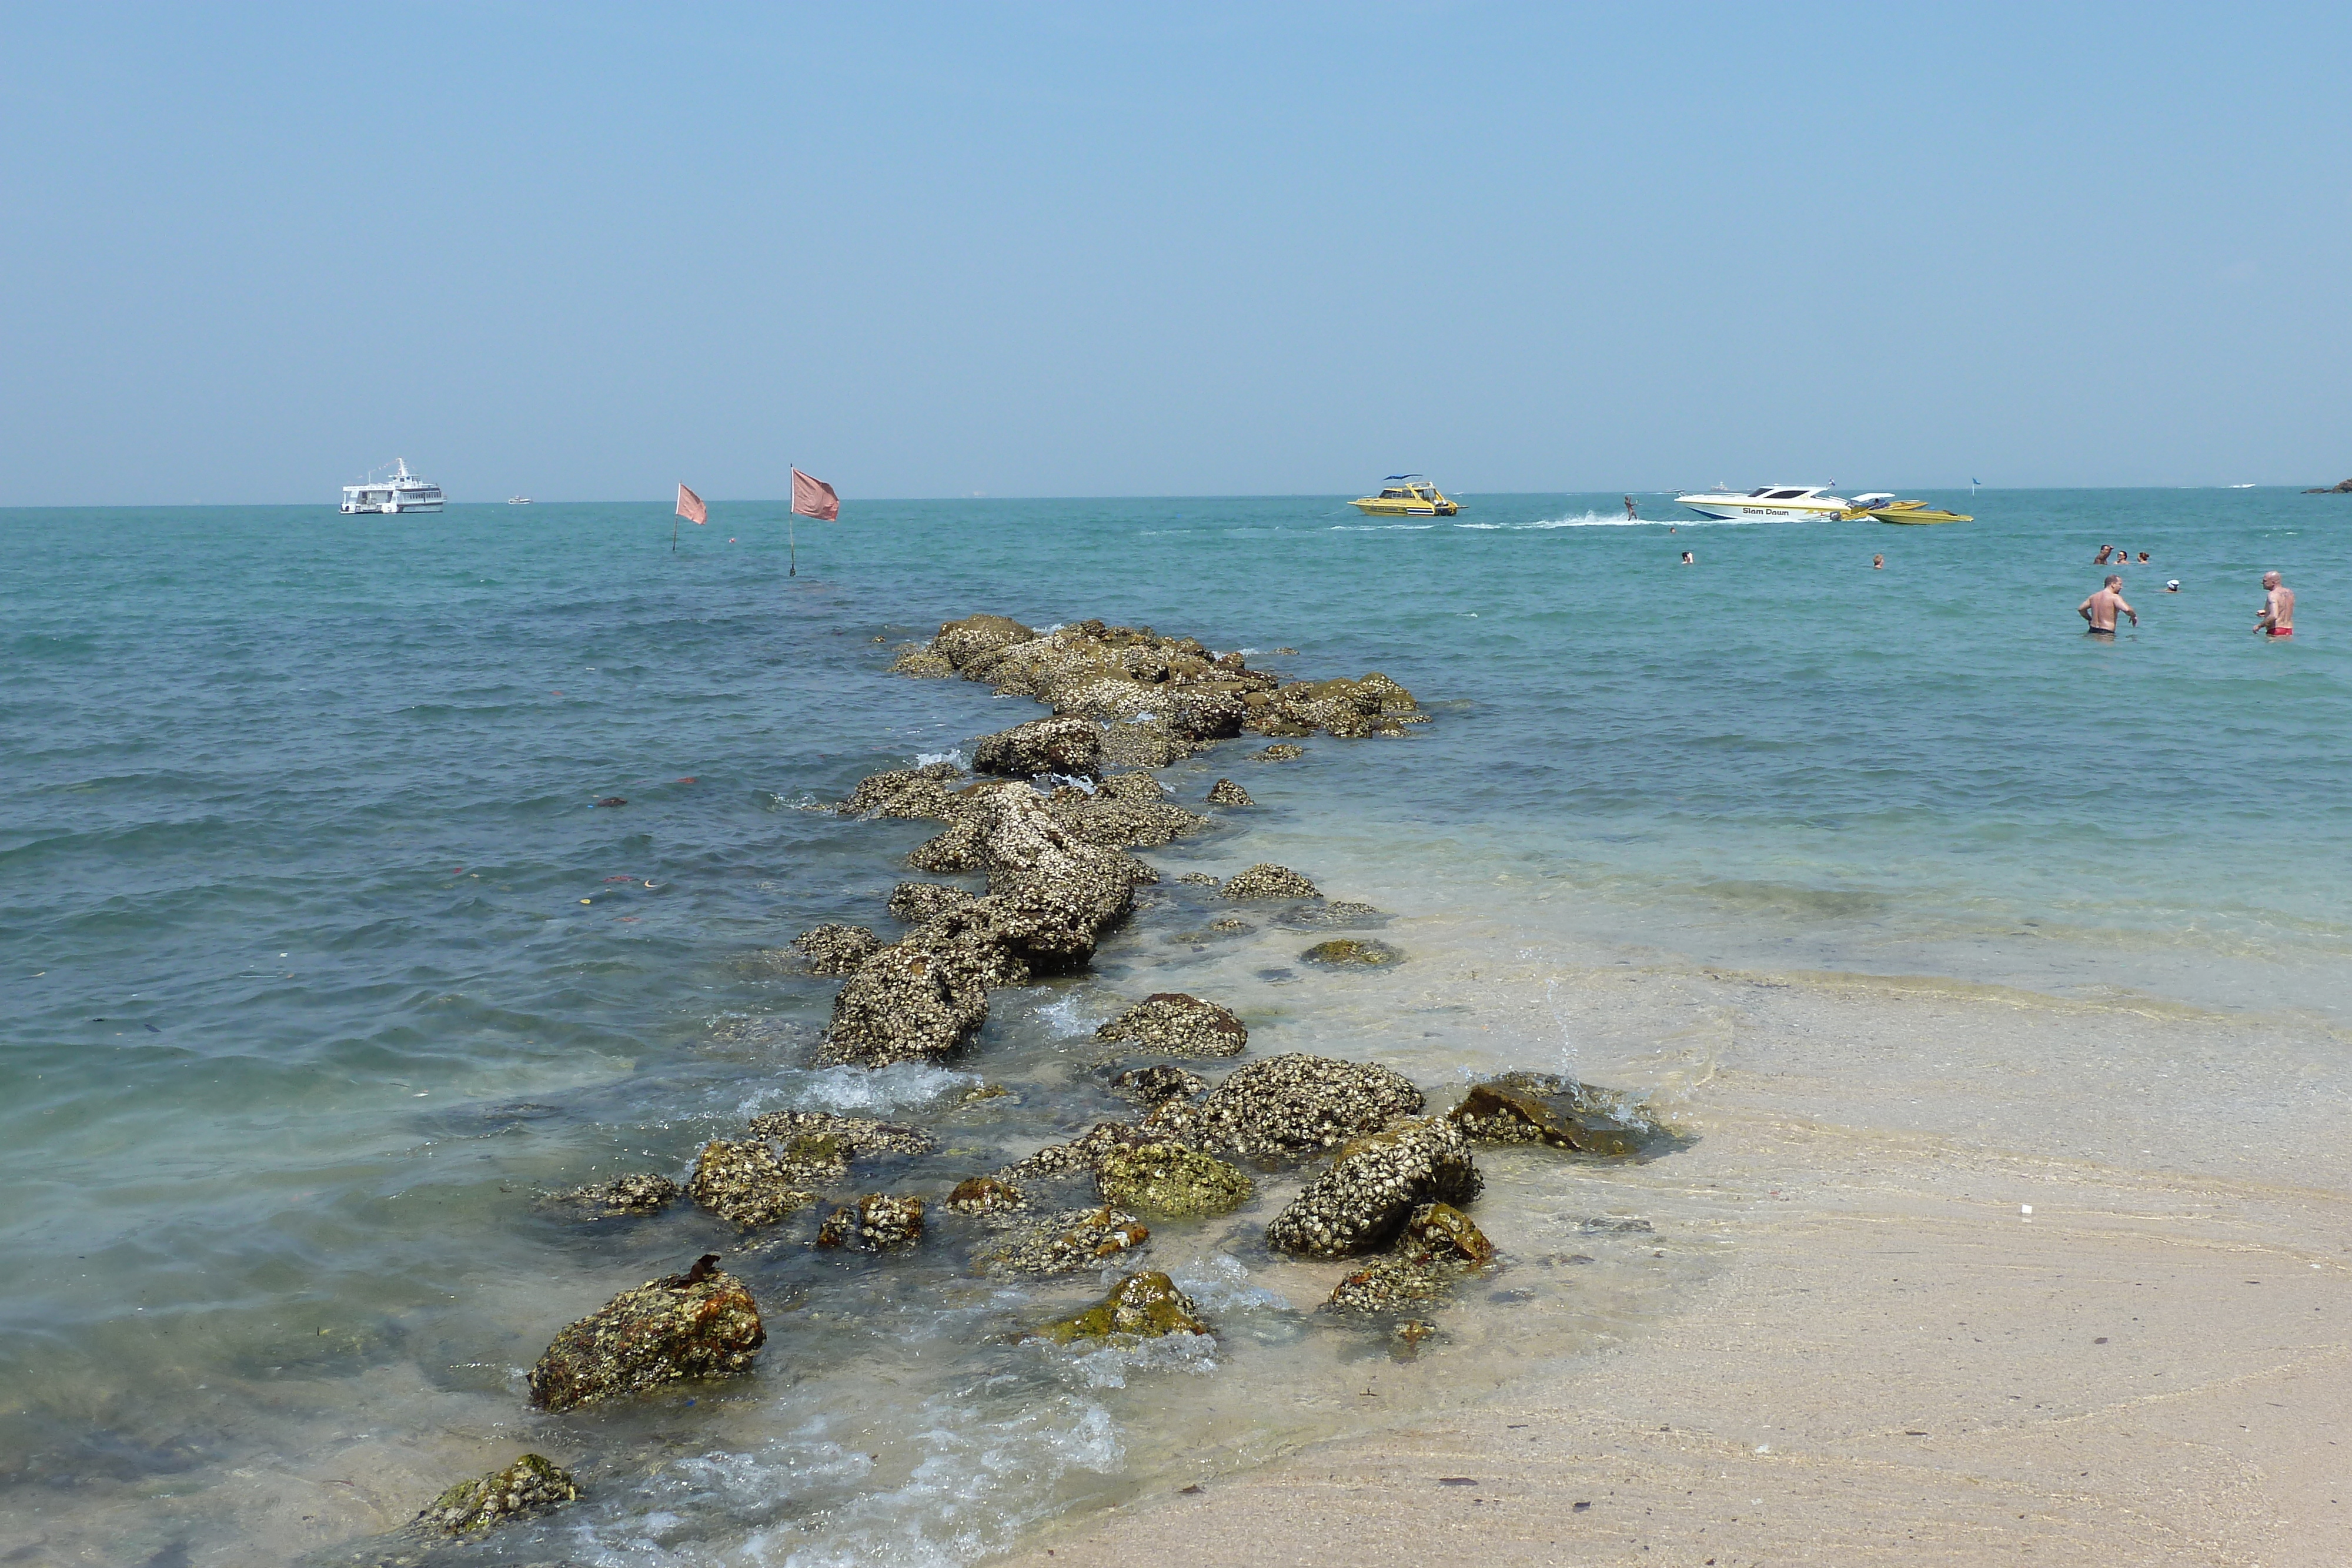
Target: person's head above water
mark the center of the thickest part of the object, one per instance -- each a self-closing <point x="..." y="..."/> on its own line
<point x="2172" y="585"/>
<point x="2270" y="580"/>
<point x="2114" y="581"/>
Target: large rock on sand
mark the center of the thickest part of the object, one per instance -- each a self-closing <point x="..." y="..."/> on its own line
<point x="1063" y="744"/>
<point x="1364" y="1200"/>
<point x="700" y="1323"/>
<point x="1289" y="1106"/>
<point x="1174" y="1023"/>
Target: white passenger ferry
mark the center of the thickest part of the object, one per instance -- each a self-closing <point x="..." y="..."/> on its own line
<point x="401" y="492"/>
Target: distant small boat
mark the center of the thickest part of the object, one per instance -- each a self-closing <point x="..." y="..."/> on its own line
<point x="517" y="500"/>
<point x="402" y="492"/>
<point x="1407" y="496"/>
<point x="2239" y="487"/>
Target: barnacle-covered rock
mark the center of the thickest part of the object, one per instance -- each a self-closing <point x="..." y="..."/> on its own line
<point x="1161" y="1082"/>
<point x="1334" y="915"/>
<point x="917" y="659"/>
<point x="905" y="1004"/>
<point x="877" y="1223"/>
<point x="639" y="1192"/>
<point x="1392" y="1284"/>
<point x="1075" y="1239"/>
<point x="1176" y="1024"/>
<point x="986" y="1195"/>
<point x="1122" y="820"/>
<point x="1543" y="1108"/>
<point x="1268" y="881"/>
<point x="532" y="1485"/>
<point x="1140" y="1306"/>
<point x="1065" y="743"/>
<point x="1288" y="1106"/>
<point x="916" y="902"/>
<point x="1280" y="751"/>
<point x="1147" y="743"/>
<point x="1444" y="1232"/>
<point x="1168" y="1181"/>
<point x="700" y="1323"/>
<point x="745" y="1184"/>
<point x="1225" y="792"/>
<point x="976" y="637"/>
<point x="1363" y="1202"/>
<point x="901" y="792"/>
<point x="1353" y="953"/>
<point x="837" y="949"/>
<point x="1080" y="1155"/>
<point x="858" y="1136"/>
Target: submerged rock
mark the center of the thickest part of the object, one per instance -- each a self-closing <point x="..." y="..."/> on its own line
<point x="700" y="1323"/>
<point x="1441" y="1231"/>
<point x="1290" y="1106"/>
<point x="1353" y="953"/>
<point x="858" y="1136"/>
<point x="1176" y="1024"/>
<point x="1075" y="1239"/>
<point x="1168" y="1181"/>
<point x="1225" y="792"/>
<point x="1201" y="877"/>
<point x="1363" y="1201"/>
<point x="1543" y="1108"/>
<point x="1140" y="1306"/>
<point x="1281" y="751"/>
<point x="533" y="1484"/>
<point x="1157" y="1084"/>
<point x="745" y="1185"/>
<point x="1392" y="1284"/>
<point x="1267" y="881"/>
<point x="875" y="1223"/>
<point x="1063" y="744"/>
<point x="837" y="949"/>
<point x="1080" y="1155"/>
<point x="986" y="1195"/>
<point x="640" y="1192"/>
<point x="1336" y="914"/>
<point x="916" y="902"/>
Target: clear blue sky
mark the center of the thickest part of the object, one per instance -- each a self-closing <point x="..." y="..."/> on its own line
<point x="586" y="251"/>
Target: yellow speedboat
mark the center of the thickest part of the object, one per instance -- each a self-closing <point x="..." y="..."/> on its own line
<point x="1407" y="496"/>
<point x="1888" y="509"/>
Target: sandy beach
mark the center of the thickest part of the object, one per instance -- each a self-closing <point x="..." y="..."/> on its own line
<point x="1899" y="1363"/>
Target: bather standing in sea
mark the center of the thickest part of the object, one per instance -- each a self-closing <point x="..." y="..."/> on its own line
<point x="2100" y="609"/>
<point x="2277" y="618"/>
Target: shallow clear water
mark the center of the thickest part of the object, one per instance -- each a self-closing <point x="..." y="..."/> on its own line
<point x="321" y="958"/>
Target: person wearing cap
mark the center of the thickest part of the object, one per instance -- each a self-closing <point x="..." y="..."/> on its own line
<point x="2277" y="618"/>
<point x="2171" y="585"/>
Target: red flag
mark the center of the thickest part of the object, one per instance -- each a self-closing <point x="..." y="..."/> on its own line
<point x="814" y="498"/>
<point x="690" y="507"/>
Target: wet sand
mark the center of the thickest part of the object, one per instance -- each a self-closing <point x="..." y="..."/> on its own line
<point x="1895" y="1362"/>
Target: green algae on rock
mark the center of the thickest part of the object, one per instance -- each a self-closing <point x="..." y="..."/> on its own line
<point x="1544" y="1108"/>
<point x="837" y="949"/>
<point x="875" y="1223"/>
<point x="533" y="1484"/>
<point x="639" y="1192"/>
<point x="745" y="1184"/>
<point x="1170" y="1181"/>
<point x="1444" y="1232"/>
<point x="1266" y="880"/>
<point x="1081" y="1154"/>
<point x="1288" y="1106"/>
<point x="700" y="1323"/>
<point x="1353" y="953"/>
<point x="1140" y="1306"/>
<point x="1176" y="1024"/>
<point x="1075" y="1239"/>
<point x="1363" y="1202"/>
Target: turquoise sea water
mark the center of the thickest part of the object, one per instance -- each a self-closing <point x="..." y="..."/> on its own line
<point x="319" y="953"/>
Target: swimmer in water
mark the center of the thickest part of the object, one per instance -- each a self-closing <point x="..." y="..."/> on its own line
<point x="2277" y="619"/>
<point x="1688" y="561"/>
<point x="2101" y="558"/>
<point x="1878" y="563"/>
<point x="2142" y="558"/>
<point x="2100" y="609"/>
<point x="2172" y="585"/>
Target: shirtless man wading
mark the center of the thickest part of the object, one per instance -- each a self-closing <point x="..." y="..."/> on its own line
<point x="2100" y="609"/>
<point x="2277" y="618"/>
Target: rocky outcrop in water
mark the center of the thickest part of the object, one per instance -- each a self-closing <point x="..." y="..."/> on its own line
<point x="533" y="1485"/>
<point x="2342" y="489"/>
<point x="1543" y="1108"/>
<point x="904" y="792"/>
<point x="1174" y="1023"/>
<point x="1265" y="880"/>
<point x="1075" y="1239"/>
<point x="1439" y="1245"/>
<point x="745" y="1185"/>
<point x="639" y="1192"/>
<point x="985" y="1196"/>
<point x="700" y="1323"/>
<point x="875" y="1223"/>
<point x="1128" y="812"/>
<point x="1286" y="1107"/>
<point x="1080" y="1155"/>
<point x="1168" y="1181"/>
<point x="837" y="949"/>
<point x="1065" y="743"/>
<point x="1225" y="792"/>
<point x="1140" y="1307"/>
<point x="1348" y="709"/>
<point x="1363" y="1200"/>
<point x="1158" y="1084"/>
<point x="858" y="1136"/>
<point x="916" y="902"/>
<point x="1353" y="953"/>
<point x="1280" y="751"/>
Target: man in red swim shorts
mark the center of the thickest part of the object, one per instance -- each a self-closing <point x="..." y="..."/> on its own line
<point x="2277" y="619"/>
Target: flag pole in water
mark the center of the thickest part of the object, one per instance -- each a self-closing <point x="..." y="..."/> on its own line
<point x="811" y="498"/>
<point x="689" y="505"/>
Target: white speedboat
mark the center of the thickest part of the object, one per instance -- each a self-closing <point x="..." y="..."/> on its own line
<point x="401" y="491"/>
<point x="517" y="500"/>
<point x="1770" y="503"/>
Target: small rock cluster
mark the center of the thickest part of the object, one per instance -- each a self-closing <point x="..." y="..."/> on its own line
<point x="700" y="1323"/>
<point x="1360" y="1203"/>
<point x="1173" y="1023"/>
<point x="1140" y="1306"/>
